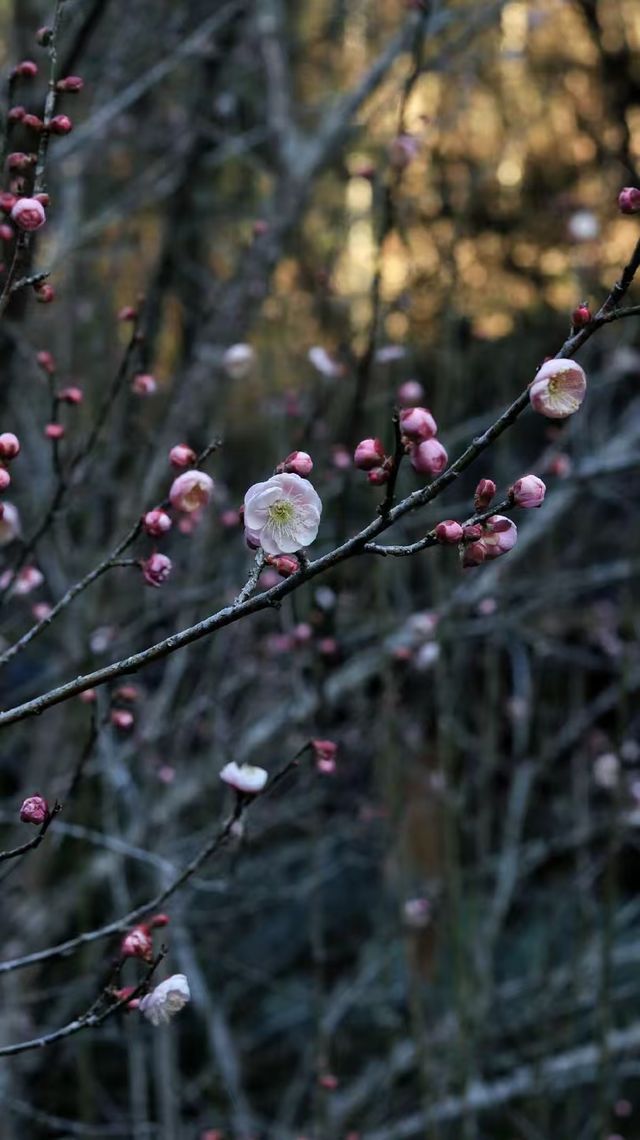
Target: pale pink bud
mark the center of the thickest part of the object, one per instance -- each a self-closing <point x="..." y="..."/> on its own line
<point x="54" y="431"/>
<point x="558" y="389"/>
<point x="28" y="214"/>
<point x="5" y="479"/>
<point x="182" y="455"/>
<point x="156" y="569"/>
<point x="629" y="200"/>
<point x="9" y="445"/>
<point x="71" y="395"/>
<point x="137" y="944"/>
<point x="500" y="535"/>
<point x="144" y="384"/>
<point x="326" y="766"/>
<point x="87" y="697"/>
<point x="35" y="810"/>
<point x="245" y="778"/>
<point x="229" y="518"/>
<point x="449" y="532"/>
<point x="417" y="424"/>
<point x="27" y="69"/>
<point x="528" y="491"/>
<point x="484" y="493"/>
<point x="429" y="457"/>
<point x="7" y="201"/>
<point x="299" y="462"/>
<point x="6" y="232"/>
<point x="16" y="114"/>
<point x="122" y="719"/>
<point x="340" y="457"/>
<point x="379" y="476"/>
<point x="410" y="393"/>
<point x="368" y="454"/>
<point x="27" y="580"/>
<point x="41" y="611"/>
<point x="191" y="491"/>
<point x="156" y="523"/>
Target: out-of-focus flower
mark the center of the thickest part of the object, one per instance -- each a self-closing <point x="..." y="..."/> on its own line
<point x="156" y="569"/>
<point x="402" y="150"/>
<point x="583" y="225"/>
<point x="9" y="523"/>
<point x="246" y="778"/>
<point x="238" y="360"/>
<point x="558" y="388"/>
<point x="165" y="1000"/>
<point x="324" y="363"/>
<point x="191" y="491"/>
<point x="283" y="513"/>
<point x="606" y="770"/>
<point x="528" y="491"/>
<point x="144" y="384"/>
<point x="410" y="393"/>
<point x="388" y="353"/>
<point x="417" y="913"/>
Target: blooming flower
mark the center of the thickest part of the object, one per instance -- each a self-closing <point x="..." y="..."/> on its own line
<point x="558" y="388"/>
<point x="283" y="513"/>
<point x="165" y="1000"/>
<point x="156" y="569"/>
<point x="246" y="778"/>
<point x="191" y="491"/>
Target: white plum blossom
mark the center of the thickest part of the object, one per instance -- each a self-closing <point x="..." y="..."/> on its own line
<point x="165" y="1000"/>
<point x="238" y="360"/>
<point x="558" y="388"/>
<point x="246" y="778"/>
<point x="283" y="513"/>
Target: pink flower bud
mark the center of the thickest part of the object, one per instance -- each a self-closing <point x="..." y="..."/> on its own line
<point x="410" y="393"/>
<point x="324" y="749"/>
<point x="368" y="454"/>
<point x="46" y="361"/>
<point x="429" y="457"/>
<point x="122" y="719"/>
<point x="182" y="456"/>
<point x="6" y="232"/>
<point x="41" y="611"/>
<point x="123" y="994"/>
<point x="191" y="491"/>
<point x="9" y="445"/>
<point x="449" y="532"/>
<point x="484" y="493"/>
<point x="299" y="462"/>
<point x="71" y="84"/>
<point x="127" y="693"/>
<point x="629" y="200"/>
<point x="28" y="214"/>
<point x="379" y="476"/>
<point x="157" y="921"/>
<point x="328" y="1081"/>
<point x="529" y="491"/>
<point x="18" y="160"/>
<point x="473" y="554"/>
<point x="16" y="114"/>
<point x="34" y="122"/>
<point x="417" y="424"/>
<point x="71" y="395"/>
<point x="128" y="313"/>
<point x="156" y="569"/>
<point x="286" y="565"/>
<point x="581" y="316"/>
<point x="87" y="697"/>
<point x="144" y="384"/>
<point x="340" y="457"/>
<point x="27" y="579"/>
<point x="5" y="479"/>
<point x="558" y="389"/>
<point x="54" y="431"/>
<point x="137" y="944"/>
<point x="500" y="535"/>
<point x="229" y="518"/>
<point x="60" y="125"/>
<point x="45" y="294"/>
<point x="7" y="202"/>
<point x="27" y="69"/>
<point x="156" y="523"/>
<point x="35" y="810"/>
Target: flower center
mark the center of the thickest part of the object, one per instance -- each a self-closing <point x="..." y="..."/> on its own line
<point x="281" y="513"/>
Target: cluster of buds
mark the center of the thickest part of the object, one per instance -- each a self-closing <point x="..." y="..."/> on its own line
<point x="370" y="456"/>
<point x="418" y="429"/>
<point x="488" y="540"/>
<point x="9" y="448"/>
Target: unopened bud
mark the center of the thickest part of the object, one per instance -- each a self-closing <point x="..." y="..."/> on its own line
<point x="410" y="393"/>
<point x="9" y="445"/>
<point x="581" y="316"/>
<point x="629" y="200"/>
<point x="369" y="454"/>
<point x="484" y="493"/>
<point x="7" y="201"/>
<point x="156" y="569"/>
<point x="46" y="361"/>
<point x="144" y="384"/>
<point x="298" y="462"/>
<point x="6" y="232"/>
<point x="34" y="122"/>
<point x="71" y="84"/>
<point x="138" y="944"/>
<point x="16" y="114"/>
<point x="5" y="479"/>
<point x="45" y="294"/>
<point x="417" y="424"/>
<point x="378" y="476"/>
<point x="529" y="491"/>
<point x="285" y="564"/>
<point x="27" y="69"/>
<point x="449" y="532"/>
<point x="182" y="456"/>
<point x="34" y="810"/>
<point x="128" y="313"/>
<point x="156" y="523"/>
<point x="122" y="719"/>
<point x="429" y="457"/>
<point x="70" y="395"/>
<point x="54" y="431"/>
<point x="28" y="214"/>
<point x="60" y="125"/>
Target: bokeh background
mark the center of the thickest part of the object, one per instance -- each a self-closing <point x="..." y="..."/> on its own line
<point x="442" y="938"/>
